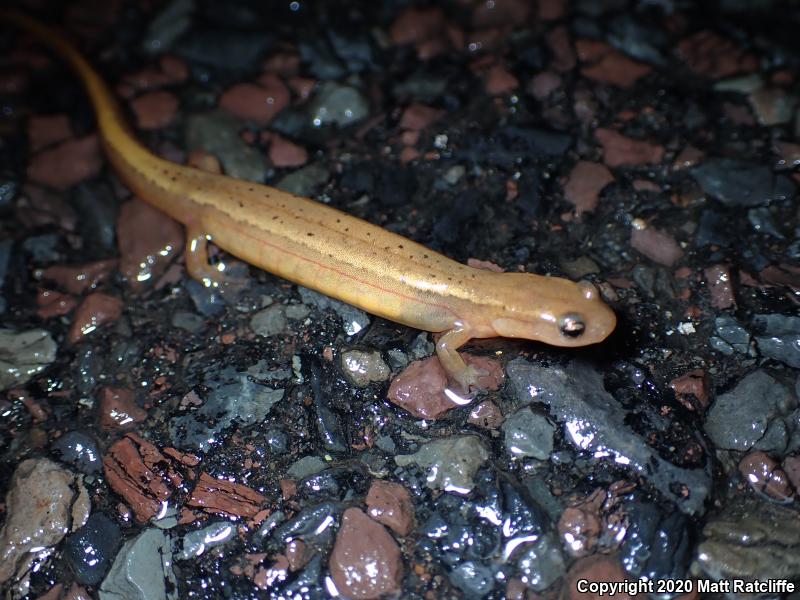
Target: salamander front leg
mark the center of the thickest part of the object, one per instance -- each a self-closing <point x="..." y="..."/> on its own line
<point x="197" y="260"/>
<point x="446" y="349"/>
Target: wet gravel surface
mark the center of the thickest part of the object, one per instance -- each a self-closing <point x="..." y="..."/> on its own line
<point x="161" y="440"/>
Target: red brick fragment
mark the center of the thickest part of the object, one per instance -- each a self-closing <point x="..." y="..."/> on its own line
<point x="217" y="496"/>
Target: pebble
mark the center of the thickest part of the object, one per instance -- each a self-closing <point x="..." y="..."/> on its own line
<point x="417" y="117"/>
<point x="336" y="104"/>
<point x="44" y="502"/>
<point x="232" y="397"/>
<point x="188" y="321"/>
<point x="305" y="181"/>
<point x="24" y="354"/>
<point x="365" y="562"/>
<point x="79" y="278"/>
<point x="731" y="335"/>
<point x="118" y="409"/>
<point x="270" y="321"/>
<point x="416" y="25"/>
<point x="586" y="181"/>
<point x="528" y="434"/>
<point x="224" y="48"/>
<point x="422" y="388"/>
<point x="96" y="310"/>
<point x="90" y="550"/>
<point x="363" y="368"/>
<point x="207" y="300"/>
<point x="390" y="504"/>
<point x="472" y="578"/>
<point x="558" y="41"/>
<point x="751" y="540"/>
<point x="155" y="110"/>
<point x="605" y="64"/>
<point x="67" y="164"/>
<point x="541" y="563"/>
<point x="217" y="132"/>
<point x="600" y="567"/>
<point x="172" y="20"/>
<point x="720" y="286"/>
<point x="45" y="130"/>
<point x="451" y="462"/>
<point x="487" y="415"/>
<point x="80" y="450"/>
<point x="739" y="183"/>
<point x="763" y="474"/>
<point x="499" y="81"/>
<point x="657" y="245"/>
<point x="622" y="151"/>
<point x="543" y="84"/>
<point x="657" y="542"/>
<point x="37" y="206"/>
<point x="694" y="384"/>
<point x="752" y="415"/>
<point x="196" y="542"/>
<point x="258" y="103"/>
<point x="142" y="569"/>
<point x="594" y="422"/>
<point x="284" y="153"/>
<point x="780" y="339"/>
<point x="762" y="221"/>
<point x="305" y="467"/>
<point x="772" y="106"/>
<point x="148" y="242"/>
<point x="712" y="55"/>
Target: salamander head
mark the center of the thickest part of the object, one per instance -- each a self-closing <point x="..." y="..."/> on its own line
<point x="556" y="311"/>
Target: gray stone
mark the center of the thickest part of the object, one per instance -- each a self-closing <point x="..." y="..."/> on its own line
<point x="781" y="339"/>
<point x="217" y="132"/>
<point x="364" y="367"/>
<point x="142" y="570"/>
<point x="594" y="422"/>
<point x="354" y="320"/>
<point x="337" y="104"/>
<point x="739" y="183"/>
<point x="528" y="434"/>
<point x="198" y="541"/>
<point x="451" y="462"/>
<point x="308" y="465"/>
<point x="740" y="418"/>
<point x="541" y="563"/>
<point x="270" y="321"/>
<point x="306" y="181"/>
<point x="24" y="354"/>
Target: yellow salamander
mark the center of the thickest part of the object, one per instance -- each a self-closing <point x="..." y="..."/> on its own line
<point x="334" y="253"/>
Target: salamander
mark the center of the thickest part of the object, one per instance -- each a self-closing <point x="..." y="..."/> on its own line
<point x="315" y="245"/>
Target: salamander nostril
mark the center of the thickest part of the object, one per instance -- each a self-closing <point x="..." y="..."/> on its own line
<point x="571" y="325"/>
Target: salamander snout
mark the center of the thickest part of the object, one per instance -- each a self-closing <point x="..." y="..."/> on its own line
<point x="571" y="325"/>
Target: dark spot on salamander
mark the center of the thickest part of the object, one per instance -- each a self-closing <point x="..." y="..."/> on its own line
<point x="274" y="217"/>
<point x="241" y="204"/>
<point x="400" y="246"/>
<point x="425" y="256"/>
<point x="309" y="234"/>
<point x="250" y="189"/>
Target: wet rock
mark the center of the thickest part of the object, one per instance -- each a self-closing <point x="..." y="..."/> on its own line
<point x="233" y="397"/>
<point x="257" y="103"/>
<point x="541" y="563"/>
<point x="207" y="300"/>
<point x="270" y="321"/>
<point x="336" y="104"/>
<point x="155" y="110"/>
<point x="354" y="320"/>
<point x="142" y="570"/>
<point x="24" y="354"/>
<point x="79" y="278"/>
<point x="277" y="441"/>
<point x="390" y="504"/>
<point x="603" y="63"/>
<point x="597" y="568"/>
<point x="739" y="183"/>
<point x="528" y="434"/>
<point x="731" y="336"/>
<point x="138" y="472"/>
<point x="761" y="220"/>
<point x="223" y="497"/>
<point x="472" y="578"/>
<point x="712" y="55"/>
<point x="764" y="475"/>
<point x="90" y="550"/>
<point x="217" y="133"/>
<point x="148" y="242"/>
<point x="752" y="540"/>
<point x="692" y="389"/>
<point x="656" y="245"/>
<point x="486" y="414"/>
<point x="305" y="181"/>
<point x="720" y="286"/>
<point x="657" y="543"/>
<point x="96" y="310"/>
<point x="365" y="562"/>
<point x="67" y="164"/>
<point x="196" y="542"/>
<point x="754" y="414"/>
<point x="594" y="421"/>
<point x="79" y="450"/>
<point x="44" y="130"/>
<point x="44" y="502"/>
<point x="772" y="106"/>
<point x="780" y="339"/>
<point x="585" y="183"/>
<point x="364" y="367"/>
<point x="451" y="462"/>
<point x="54" y="304"/>
<point x="118" y="409"/>
<point x="622" y="151"/>
<point x="419" y="389"/>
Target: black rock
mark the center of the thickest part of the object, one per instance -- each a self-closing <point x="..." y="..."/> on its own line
<point x="80" y="450"/>
<point x="90" y="550"/>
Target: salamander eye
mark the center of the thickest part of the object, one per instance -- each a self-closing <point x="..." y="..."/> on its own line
<point x="571" y="325"/>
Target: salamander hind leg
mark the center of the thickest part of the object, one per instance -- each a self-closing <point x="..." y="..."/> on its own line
<point x="446" y="349"/>
<point x="197" y="260"/>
